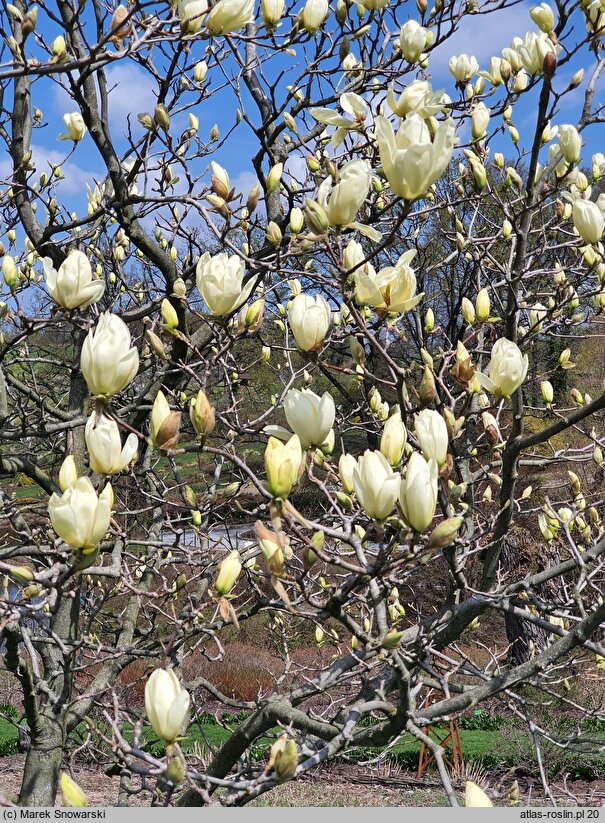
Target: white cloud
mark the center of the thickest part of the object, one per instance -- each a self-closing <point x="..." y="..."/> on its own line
<point x="483" y="36"/>
<point x="132" y="91"/>
<point x="75" y="177"/>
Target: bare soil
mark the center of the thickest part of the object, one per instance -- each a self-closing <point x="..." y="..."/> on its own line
<point x="339" y="785"/>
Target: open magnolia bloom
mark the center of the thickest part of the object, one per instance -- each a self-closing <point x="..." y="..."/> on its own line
<point x="220" y="281"/>
<point x="410" y="160"/>
<point x="108" y="363"/>
<point x="309" y="416"/>
<point x="342" y="201"/>
<point x="104" y="444"/>
<point x="418" y="98"/>
<point x="375" y="483"/>
<point x="350" y="102"/>
<point x="507" y="369"/>
<point x="72" y="285"/>
<point x="392" y="289"/>
<point x="79" y="516"/>
<point x="166" y="704"/>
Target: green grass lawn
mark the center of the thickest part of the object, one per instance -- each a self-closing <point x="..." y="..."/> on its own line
<point x="499" y="749"/>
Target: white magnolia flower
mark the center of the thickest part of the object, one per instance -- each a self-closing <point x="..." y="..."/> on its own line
<point x="410" y="160"/>
<point x="72" y="286"/>
<point x="376" y="484"/>
<point x="342" y="200"/>
<point x="79" y="516"/>
<point x="431" y="433"/>
<point x="309" y="416"/>
<point x="309" y="319"/>
<point x="418" y="98"/>
<point x="220" y="281"/>
<point x="418" y="491"/>
<point x="104" y="444"/>
<point x="166" y="704"/>
<point x="108" y="362"/>
<point x="463" y="67"/>
<point x="507" y="369"/>
<point x="192" y="13"/>
<point x="76" y="128"/>
<point x="392" y="289"/>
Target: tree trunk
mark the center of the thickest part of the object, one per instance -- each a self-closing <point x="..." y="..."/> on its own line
<point x="43" y="764"/>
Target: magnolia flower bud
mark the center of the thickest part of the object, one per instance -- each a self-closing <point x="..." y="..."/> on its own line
<point x="346" y="466"/>
<point x="200" y="70"/>
<point x="166" y="704"/>
<point x="68" y="474"/>
<point x="164" y="424"/>
<point x="444" y="533"/>
<point x="474" y="797"/>
<point x="543" y="17"/>
<point x="169" y="315"/>
<point x="72" y="795"/>
<point x="547" y="392"/>
<point x="58" y="48"/>
<point x="296" y="220"/>
<point x="588" y="220"/>
<point x="412" y="40"/>
<point x="482" y="305"/>
<point x="271" y="549"/>
<point x="431" y="432"/>
<point x="108" y="363"/>
<point x="282" y="464"/>
<point x="76" y="128"/>
<point x="479" y="121"/>
<point x="274" y="177"/>
<point x="9" y="271"/>
<point x="570" y="143"/>
<point x="272" y="11"/>
<point x="286" y="762"/>
<point x="468" y="311"/>
<point x="418" y="492"/>
<point x="201" y="414"/>
<point x="104" y="444"/>
<point x="316" y="217"/>
<point x="394" y="438"/>
<point x="228" y="572"/>
<point x="429" y="321"/>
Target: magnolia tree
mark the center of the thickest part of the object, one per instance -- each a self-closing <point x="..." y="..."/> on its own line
<point x="297" y="348"/>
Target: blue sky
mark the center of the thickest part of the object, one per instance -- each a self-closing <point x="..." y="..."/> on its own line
<point x="134" y="91"/>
